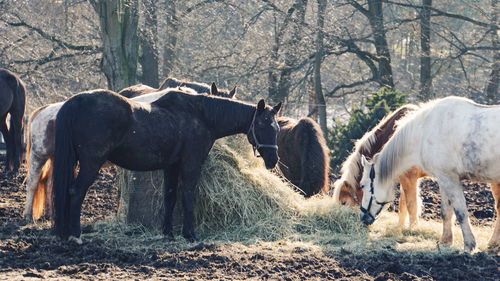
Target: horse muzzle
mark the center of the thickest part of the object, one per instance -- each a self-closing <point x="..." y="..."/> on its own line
<point x="367" y="218"/>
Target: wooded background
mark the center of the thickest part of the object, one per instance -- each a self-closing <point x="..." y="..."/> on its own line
<point x="323" y="58"/>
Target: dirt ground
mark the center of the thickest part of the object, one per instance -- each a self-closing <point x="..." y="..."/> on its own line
<point x="28" y="252"/>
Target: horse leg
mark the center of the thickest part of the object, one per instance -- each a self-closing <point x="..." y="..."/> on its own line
<point x="455" y="197"/>
<point x="409" y="191"/>
<point x="189" y="174"/>
<point x="16" y="125"/>
<point x="494" y="242"/>
<point x="448" y="219"/>
<point x="88" y="173"/>
<point x="32" y="180"/>
<point x="171" y="180"/>
<point x="8" y="142"/>
<point x="403" y="209"/>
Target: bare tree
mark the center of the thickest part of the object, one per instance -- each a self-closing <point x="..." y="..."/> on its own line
<point x="119" y="21"/>
<point x="149" y="44"/>
<point x="425" y="57"/>
<point x="170" y="43"/>
<point x="318" y="88"/>
<point x="491" y="91"/>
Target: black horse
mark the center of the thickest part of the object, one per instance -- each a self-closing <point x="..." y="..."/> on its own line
<point x="174" y="133"/>
<point x="12" y="102"/>
<point x="200" y="88"/>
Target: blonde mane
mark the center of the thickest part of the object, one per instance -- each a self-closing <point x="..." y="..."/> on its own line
<point x="351" y="168"/>
<point x="390" y="157"/>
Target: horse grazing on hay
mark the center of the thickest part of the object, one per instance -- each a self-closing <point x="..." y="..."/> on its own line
<point x="40" y="149"/>
<point x="13" y="103"/>
<point x="303" y="153"/>
<point x="347" y="189"/>
<point x="200" y="88"/>
<point x="173" y="133"/>
<point x="450" y="139"/>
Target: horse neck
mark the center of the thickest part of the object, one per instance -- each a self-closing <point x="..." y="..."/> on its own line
<point x="227" y="117"/>
<point x="399" y="155"/>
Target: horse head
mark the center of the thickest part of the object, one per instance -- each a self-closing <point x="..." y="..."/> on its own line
<point x="263" y="133"/>
<point x="375" y="194"/>
<point x="345" y="194"/>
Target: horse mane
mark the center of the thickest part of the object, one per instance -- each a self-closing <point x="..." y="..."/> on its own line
<point x="397" y="146"/>
<point x="370" y="144"/>
<point x="390" y="157"/>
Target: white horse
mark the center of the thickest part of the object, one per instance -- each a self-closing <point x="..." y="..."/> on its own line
<point x="41" y="142"/>
<point x="347" y="189"/>
<point x="450" y="139"/>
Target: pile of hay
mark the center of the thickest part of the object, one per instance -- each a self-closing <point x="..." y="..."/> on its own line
<point x="238" y="199"/>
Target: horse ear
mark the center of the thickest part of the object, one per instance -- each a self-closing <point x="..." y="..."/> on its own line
<point x="213" y="90"/>
<point x="375" y="158"/>
<point x="261" y="105"/>
<point x="277" y="108"/>
<point x="232" y="93"/>
<point x="364" y="161"/>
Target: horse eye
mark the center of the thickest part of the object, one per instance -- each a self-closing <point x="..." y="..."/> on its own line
<point x="361" y="186"/>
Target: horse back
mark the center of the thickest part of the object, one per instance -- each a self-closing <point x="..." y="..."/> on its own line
<point x="97" y="117"/>
<point x="136" y="90"/>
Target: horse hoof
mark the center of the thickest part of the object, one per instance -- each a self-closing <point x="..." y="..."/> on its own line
<point x="77" y="240"/>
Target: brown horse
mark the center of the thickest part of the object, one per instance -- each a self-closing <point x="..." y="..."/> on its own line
<point x="12" y="102"/>
<point x="200" y="88"/>
<point x="347" y="189"/>
<point x="303" y="153"/>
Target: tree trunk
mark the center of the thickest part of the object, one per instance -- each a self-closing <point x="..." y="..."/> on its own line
<point x="149" y="44"/>
<point x="425" y="57"/>
<point x="172" y="28"/>
<point x="119" y="21"/>
<point x="491" y="91"/>
<point x="376" y="19"/>
<point x="320" y="98"/>
<point x="279" y="89"/>
<point x="313" y="102"/>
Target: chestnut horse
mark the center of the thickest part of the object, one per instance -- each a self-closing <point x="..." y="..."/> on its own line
<point x="347" y="189"/>
<point x="304" y="155"/>
<point x="13" y="103"/>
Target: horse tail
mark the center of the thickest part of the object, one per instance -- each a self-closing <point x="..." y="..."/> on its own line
<point x="64" y="164"/>
<point x="42" y="191"/>
<point x="16" y="117"/>
<point x="315" y="159"/>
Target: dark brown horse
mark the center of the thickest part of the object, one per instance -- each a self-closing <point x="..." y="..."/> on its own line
<point x="173" y="133"/>
<point x="200" y="88"/>
<point x="303" y="153"/>
<point x="12" y="102"/>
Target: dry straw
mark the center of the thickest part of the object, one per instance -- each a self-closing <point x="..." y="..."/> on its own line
<point x="239" y="200"/>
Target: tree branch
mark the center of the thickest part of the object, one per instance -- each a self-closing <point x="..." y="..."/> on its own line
<point x="443" y="13"/>
<point x="54" y="38"/>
